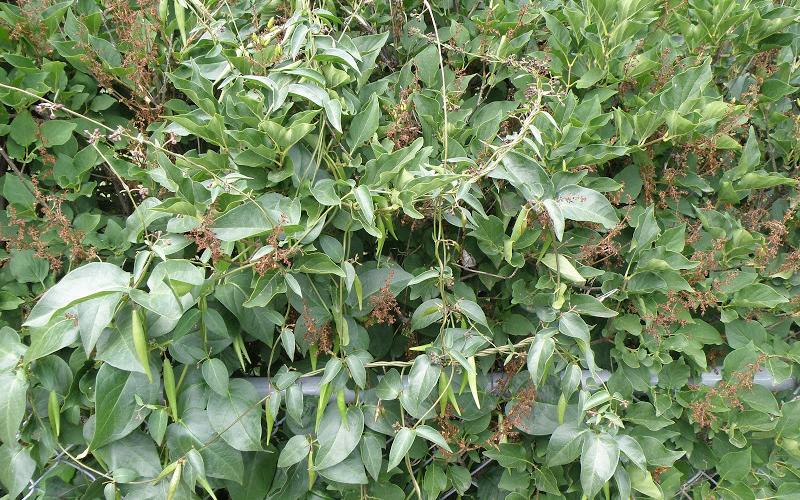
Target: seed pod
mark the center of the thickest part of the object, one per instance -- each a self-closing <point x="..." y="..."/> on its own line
<point x="54" y="412"/>
<point x="472" y="379"/>
<point x="503" y="437"/>
<point x="312" y="474"/>
<point x="180" y="17"/>
<point x="237" y="348"/>
<point x="323" y="401"/>
<point x="340" y="402"/>
<point x="521" y="224"/>
<point x="170" y="389"/>
<point x="443" y="394"/>
<point x="562" y="408"/>
<point x="140" y="342"/>
<point x="269" y="416"/>
<point x="175" y="481"/>
<point x="163" y="10"/>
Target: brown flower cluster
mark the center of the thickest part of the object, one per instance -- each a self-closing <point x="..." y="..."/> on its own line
<point x="384" y="305"/>
<point x="404" y="128"/>
<point x="29" y="236"/>
<point x="728" y="391"/>
<point x="278" y="257"/>
<point x="205" y="239"/>
<point x="317" y="336"/>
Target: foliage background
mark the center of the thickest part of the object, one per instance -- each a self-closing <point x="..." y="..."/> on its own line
<point x="201" y="191"/>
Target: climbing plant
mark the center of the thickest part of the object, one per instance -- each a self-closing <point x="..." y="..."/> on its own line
<point x="399" y="249"/>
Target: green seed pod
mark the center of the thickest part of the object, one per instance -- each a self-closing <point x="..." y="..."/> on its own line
<point x="54" y="412"/>
<point x="175" y="481"/>
<point x="312" y="474"/>
<point x="270" y="417"/>
<point x="562" y="408"/>
<point x="180" y="17"/>
<point x="521" y="224"/>
<point x="340" y="402"/>
<point x="170" y="389"/>
<point x="163" y="10"/>
<point x="443" y="394"/>
<point x="140" y="342"/>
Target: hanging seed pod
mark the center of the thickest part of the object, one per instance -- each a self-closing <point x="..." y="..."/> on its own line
<point x="163" y="10"/>
<point x="340" y="402"/>
<point x="170" y="389"/>
<point x="312" y="474"/>
<point x="175" y="481"/>
<point x="140" y="342"/>
<point x="443" y="394"/>
<point x="54" y="412"/>
<point x="180" y="17"/>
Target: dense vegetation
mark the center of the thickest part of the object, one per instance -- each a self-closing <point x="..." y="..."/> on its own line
<point x="501" y="242"/>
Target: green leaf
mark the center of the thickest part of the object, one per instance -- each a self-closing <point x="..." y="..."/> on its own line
<point x="647" y="230"/>
<point x="255" y="217"/>
<point x="51" y="338"/>
<point x="735" y="466"/>
<point x="400" y="446"/>
<point x="117" y="413"/>
<point x="365" y="205"/>
<point x="563" y="266"/>
<point x="56" y="132"/>
<point x="296" y="449"/>
<point x="631" y="448"/>
<point x="539" y="354"/>
<point x="586" y="205"/>
<point x="215" y="373"/>
<point x="84" y="283"/>
<point x="599" y="459"/>
<point x="422" y="379"/>
<point x="426" y="314"/>
<point x="16" y="468"/>
<point x="758" y="295"/>
<point x="12" y="404"/>
<point x="565" y="444"/>
<point x="23" y="129"/>
<point x="236" y="416"/>
<point x="433" y="436"/>
<point x="364" y="124"/>
<point x="349" y="471"/>
<point x="372" y="453"/>
<point x="338" y="438"/>
<point x="318" y="263"/>
<point x="390" y="386"/>
<point x="472" y="311"/>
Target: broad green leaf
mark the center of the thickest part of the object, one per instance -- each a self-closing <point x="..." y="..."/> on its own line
<point x="372" y="453"/>
<point x="338" y="438"/>
<point x="583" y="204"/>
<point x="318" y="263"/>
<point x="16" y="468"/>
<point x="400" y="446"/>
<point x="364" y="124"/>
<point x="117" y="413"/>
<point x="236" y="416"/>
<point x="565" y="444"/>
<point x="539" y="354"/>
<point x="422" y="379"/>
<point x="563" y="266"/>
<point x="296" y="449"/>
<point x="433" y="436"/>
<point x="215" y="373"/>
<point x="599" y="459"/>
<point x="84" y="283"/>
<point x="12" y="404"/>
